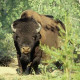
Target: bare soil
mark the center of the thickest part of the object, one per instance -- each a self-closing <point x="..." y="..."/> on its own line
<point x="9" y="70"/>
<point x="10" y="73"/>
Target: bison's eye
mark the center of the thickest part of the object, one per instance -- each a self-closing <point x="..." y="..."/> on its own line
<point x="17" y="37"/>
<point x="34" y="37"/>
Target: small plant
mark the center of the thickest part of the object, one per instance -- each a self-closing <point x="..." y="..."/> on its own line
<point x="7" y="49"/>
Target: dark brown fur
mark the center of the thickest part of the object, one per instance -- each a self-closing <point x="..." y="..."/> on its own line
<point x="44" y="20"/>
<point x="50" y="27"/>
<point x="26" y="35"/>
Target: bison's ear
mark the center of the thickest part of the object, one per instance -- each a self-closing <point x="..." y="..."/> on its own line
<point x="38" y="36"/>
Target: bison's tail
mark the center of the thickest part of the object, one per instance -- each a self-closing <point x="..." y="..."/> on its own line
<point x="61" y="23"/>
<point x="61" y="26"/>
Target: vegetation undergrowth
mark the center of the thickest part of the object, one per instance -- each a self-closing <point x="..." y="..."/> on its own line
<point x="65" y="55"/>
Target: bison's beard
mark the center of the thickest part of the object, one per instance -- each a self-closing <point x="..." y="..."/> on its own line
<point x="25" y="58"/>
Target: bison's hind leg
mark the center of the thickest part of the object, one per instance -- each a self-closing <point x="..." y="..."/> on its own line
<point x="36" y="69"/>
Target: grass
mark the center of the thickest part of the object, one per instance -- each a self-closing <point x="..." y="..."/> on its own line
<point x="39" y="77"/>
<point x="55" y="75"/>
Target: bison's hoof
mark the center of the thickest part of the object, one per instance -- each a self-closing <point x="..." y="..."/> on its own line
<point x="19" y="71"/>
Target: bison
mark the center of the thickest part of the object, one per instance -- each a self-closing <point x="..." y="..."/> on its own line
<point x="27" y="35"/>
<point x="26" y="39"/>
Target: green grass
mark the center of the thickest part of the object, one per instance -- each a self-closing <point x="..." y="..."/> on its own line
<point x="57" y="75"/>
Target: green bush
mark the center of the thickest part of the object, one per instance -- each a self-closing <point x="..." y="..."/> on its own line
<point x="6" y="44"/>
<point x="7" y="50"/>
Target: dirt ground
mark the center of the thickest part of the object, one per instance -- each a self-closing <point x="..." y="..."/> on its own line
<point x="9" y="70"/>
<point x="10" y="73"/>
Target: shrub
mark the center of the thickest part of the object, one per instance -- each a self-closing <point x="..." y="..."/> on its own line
<point x="66" y="54"/>
<point x="7" y="50"/>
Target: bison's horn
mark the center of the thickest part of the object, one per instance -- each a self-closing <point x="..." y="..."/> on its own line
<point x="38" y="30"/>
<point x="13" y="29"/>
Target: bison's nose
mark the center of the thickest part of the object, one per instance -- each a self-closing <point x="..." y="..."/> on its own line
<point x="25" y="50"/>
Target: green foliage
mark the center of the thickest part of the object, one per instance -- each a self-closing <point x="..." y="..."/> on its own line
<point x="11" y="10"/>
<point x="66" y="54"/>
<point x="6" y="43"/>
<point x="68" y="11"/>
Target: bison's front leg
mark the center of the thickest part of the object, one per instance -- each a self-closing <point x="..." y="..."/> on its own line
<point x="25" y="60"/>
<point x="22" y="64"/>
<point x="37" y="59"/>
<point x="20" y="71"/>
<point x="18" y="56"/>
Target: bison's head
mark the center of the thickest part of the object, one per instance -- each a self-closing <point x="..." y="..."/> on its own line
<point x="26" y="34"/>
